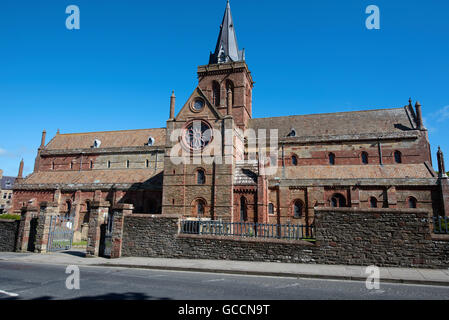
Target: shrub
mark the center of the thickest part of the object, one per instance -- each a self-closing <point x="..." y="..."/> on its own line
<point x="10" y="216"/>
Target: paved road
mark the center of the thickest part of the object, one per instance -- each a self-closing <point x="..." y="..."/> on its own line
<point x="39" y="281"/>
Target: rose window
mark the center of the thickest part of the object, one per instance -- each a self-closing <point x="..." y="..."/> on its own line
<point x="197" y="135"/>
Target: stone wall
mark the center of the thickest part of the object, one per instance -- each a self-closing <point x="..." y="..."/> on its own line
<point x="383" y="237"/>
<point x="8" y="235"/>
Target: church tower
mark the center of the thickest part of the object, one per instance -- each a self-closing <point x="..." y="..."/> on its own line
<point x="226" y="80"/>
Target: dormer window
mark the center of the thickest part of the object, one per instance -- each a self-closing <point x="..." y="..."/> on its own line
<point x="150" y="141"/>
<point x="97" y="143"/>
<point x="292" y="133"/>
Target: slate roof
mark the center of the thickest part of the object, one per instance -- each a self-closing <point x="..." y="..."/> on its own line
<point x="246" y="173"/>
<point x="399" y="171"/>
<point x="109" y="139"/>
<point x="397" y="120"/>
<point x="7" y="183"/>
<point x="116" y="176"/>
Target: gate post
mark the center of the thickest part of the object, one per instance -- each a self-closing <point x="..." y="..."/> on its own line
<point x="120" y="211"/>
<point x="47" y="211"/>
<point x="23" y="237"/>
<point x="99" y="211"/>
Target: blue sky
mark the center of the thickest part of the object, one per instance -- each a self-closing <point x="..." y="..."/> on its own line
<point x="118" y="70"/>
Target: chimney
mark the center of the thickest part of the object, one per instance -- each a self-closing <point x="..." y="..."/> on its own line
<point x="419" y="115"/>
<point x="44" y="133"/>
<point x="20" y="174"/>
<point x="229" y="102"/>
<point x="172" y="105"/>
<point x="441" y="168"/>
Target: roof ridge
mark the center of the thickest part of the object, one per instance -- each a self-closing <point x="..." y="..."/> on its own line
<point x="329" y="113"/>
<point x="110" y="131"/>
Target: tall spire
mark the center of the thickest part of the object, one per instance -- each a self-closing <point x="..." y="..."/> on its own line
<point x="227" y="49"/>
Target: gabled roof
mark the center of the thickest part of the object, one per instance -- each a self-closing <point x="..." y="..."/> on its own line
<point x="381" y="121"/>
<point x="109" y="139"/>
<point x="227" y="49"/>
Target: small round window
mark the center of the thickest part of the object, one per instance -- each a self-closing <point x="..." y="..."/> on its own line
<point x="198" y="105"/>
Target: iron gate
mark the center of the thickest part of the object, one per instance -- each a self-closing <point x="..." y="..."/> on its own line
<point x="60" y="235"/>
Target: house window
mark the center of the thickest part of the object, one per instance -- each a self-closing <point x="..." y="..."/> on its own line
<point x="331" y="159"/>
<point x="364" y="157"/>
<point x="243" y="209"/>
<point x="297" y="209"/>
<point x="200" y="176"/>
<point x="373" y="202"/>
<point x="4" y="196"/>
<point x="147" y="163"/>
<point x="127" y="163"/>
<point x="270" y="208"/>
<point x="91" y="164"/>
<point x="412" y="203"/>
<point x="9" y="196"/>
<point x="52" y="165"/>
<point x="109" y="164"/>
<point x="294" y="160"/>
<point x="338" y="200"/>
<point x="397" y="157"/>
<point x="71" y="165"/>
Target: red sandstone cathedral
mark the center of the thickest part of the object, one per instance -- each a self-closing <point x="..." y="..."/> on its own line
<point x="376" y="158"/>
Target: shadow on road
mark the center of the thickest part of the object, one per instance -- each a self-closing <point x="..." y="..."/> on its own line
<point x="107" y="296"/>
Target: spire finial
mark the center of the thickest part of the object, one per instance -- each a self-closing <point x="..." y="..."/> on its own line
<point x="410" y="101"/>
<point x="227" y="49"/>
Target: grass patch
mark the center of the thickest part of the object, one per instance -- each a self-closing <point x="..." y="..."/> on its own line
<point x="80" y="244"/>
<point x="10" y="216"/>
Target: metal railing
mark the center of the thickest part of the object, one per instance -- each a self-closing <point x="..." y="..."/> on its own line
<point x="441" y="225"/>
<point x="248" y="229"/>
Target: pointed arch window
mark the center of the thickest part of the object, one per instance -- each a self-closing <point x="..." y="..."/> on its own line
<point x="294" y="160"/>
<point x="297" y="209"/>
<point x="200" y="208"/>
<point x="412" y="203"/>
<point x="243" y="209"/>
<point x="331" y="159"/>
<point x="200" y="176"/>
<point x="230" y="86"/>
<point x="373" y="202"/>
<point x="270" y="208"/>
<point x="216" y="93"/>
<point x="397" y="157"/>
<point x="364" y="157"/>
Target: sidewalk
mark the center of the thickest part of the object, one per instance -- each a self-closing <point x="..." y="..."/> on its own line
<point x="392" y="275"/>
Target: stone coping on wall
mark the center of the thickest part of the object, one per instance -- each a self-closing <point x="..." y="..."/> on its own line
<point x="422" y="212"/>
<point x="152" y="215"/>
<point x="440" y="237"/>
<point x="243" y="239"/>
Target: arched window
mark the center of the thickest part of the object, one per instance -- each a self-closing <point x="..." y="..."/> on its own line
<point x="270" y="208"/>
<point x="127" y="163"/>
<point x="373" y="202"/>
<point x="243" y="209"/>
<point x="331" y="159"/>
<point x="397" y="157"/>
<point x="69" y="208"/>
<point x="412" y="202"/>
<point x="71" y="165"/>
<point x="200" y="176"/>
<point x="338" y="200"/>
<point x="200" y="208"/>
<point x="87" y="214"/>
<point x="297" y="209"/>
<point x="91" y="164"/>
<point x="294" y="160"/>
<point x="230" y="86"/>
<point x="216" y="93"/>
<point x="364" y="157"/>
<point x="52" y="165"/>
<point x="109" y="164"/>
